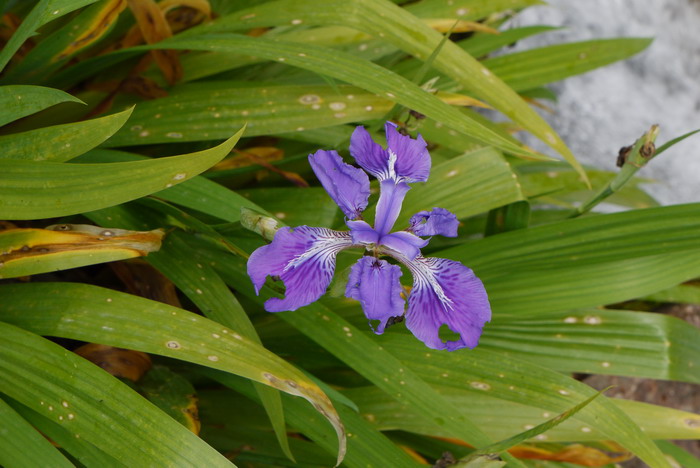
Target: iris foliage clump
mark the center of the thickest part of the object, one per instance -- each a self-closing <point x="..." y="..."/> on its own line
<point x="160" y="160"/>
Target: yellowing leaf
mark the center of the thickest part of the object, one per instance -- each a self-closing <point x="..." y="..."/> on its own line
<point x="462" y="100"/>
<point x="155" y="28"/>
<point x="446" y="24"/>
<point x="179" y="13"/>
<point x="101" y="23"/>
<point x="31" y="251"/>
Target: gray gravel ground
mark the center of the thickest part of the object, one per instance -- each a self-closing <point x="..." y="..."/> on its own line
<point x="608" y="108"/>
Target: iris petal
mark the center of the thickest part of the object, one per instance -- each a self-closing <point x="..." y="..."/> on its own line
<point x="362" y="233"/>
<point x="445" y="292"/>
<point x="405" y="243"/>
<point x="304" y="258"/>
<point x="412" y="157"/>
<point x="375" y="283"/>
<point x="437" y="221"/>
<point x="405" y="159"/>
<point x="368" y="154"/>
<point x="348" y="186"/>
<point x="389" y="205"/>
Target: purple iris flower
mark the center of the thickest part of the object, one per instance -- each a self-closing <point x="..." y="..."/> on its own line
<point x="444" y="292"/>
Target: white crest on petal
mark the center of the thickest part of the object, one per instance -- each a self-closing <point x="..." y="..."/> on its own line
<point x="423" y="274"/>
<point x="391" y="166"/>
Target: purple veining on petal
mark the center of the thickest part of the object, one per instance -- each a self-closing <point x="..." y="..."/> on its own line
<point x="304" y="258"/>
<point x="445" y="292"/>
<point x="362" y="233"/>
<point x="412" y="157"/>
<point x="347" y="185"/>
<point x="437" y="221"/>
<point x="375" y="283"/>
<point x="404" y="243"/>
<point x="368" y="154"/>
<point x="389" y="205"/>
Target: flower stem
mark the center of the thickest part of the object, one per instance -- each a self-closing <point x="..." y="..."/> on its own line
<point x="631" y="160"/>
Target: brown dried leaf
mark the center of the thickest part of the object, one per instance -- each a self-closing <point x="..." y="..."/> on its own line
<point x="201" y="6"/>
<point x="183" y="14"/>
<point x="250" y="157"/>
<point x="131" y="39"/>
<point x="154" y="27"/>
<point x="257" y="32"/>
<point x="119" y="362"/>
<point x="180" y="15"/>
<point x="142" y="86"/>
<point x="261" y="156"/>
<point x="141" y="279"/>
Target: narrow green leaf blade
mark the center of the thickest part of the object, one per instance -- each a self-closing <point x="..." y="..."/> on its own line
<point x="61" y="143"/>
<point x="504" y="445"/>
<point x="586" y="262"/>
<point x="22" y="446"/>
<point x="602" y="341"/>
<point x="366" y="447"/>
<point x="506" y="378"/>
<point x="93" y="405"/>
<point x="127" y="321"/>
<point x="55" y="50"/>
<point x="684" y="293"/>
<point x="30" y="190"/>
<point x="410" y="34"/>
<point x="213" y="110"/>
<point x="532" y="68"/>
<point x="42" y="13"/>
<point x="17" y="101"/>
<point x="200" y="282"/>
<point x="466" y="185"/>
<point x="83" y="451"/>
<point x="502" y="418"/>
<point x="350" y="69"/>
<point x="682" y="457"/>
<point x="588" y="240"/>
<point x="198" y="193"/>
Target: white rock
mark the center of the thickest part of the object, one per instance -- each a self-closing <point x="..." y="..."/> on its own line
<point x="608" y="108"/>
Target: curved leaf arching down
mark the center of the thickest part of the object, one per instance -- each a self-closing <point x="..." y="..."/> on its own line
<point x="109" y="317"/>
<point x="31" y="190"/>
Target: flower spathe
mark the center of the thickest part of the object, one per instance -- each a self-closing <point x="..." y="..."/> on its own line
<point x="444" y="292"/>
